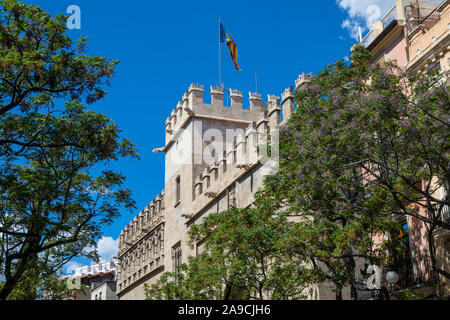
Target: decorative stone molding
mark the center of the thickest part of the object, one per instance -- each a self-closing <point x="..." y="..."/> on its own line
<point x="303" y="79"/>
<point x="195" y="87"/>
<point x="236" y="98"/>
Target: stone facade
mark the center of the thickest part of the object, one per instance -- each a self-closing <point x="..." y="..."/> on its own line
<point x="203" y="176"/>
<point x="211" y="165"/>
<point x="104" y="291"/>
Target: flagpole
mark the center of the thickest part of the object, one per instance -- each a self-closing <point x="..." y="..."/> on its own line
<point x="220" y="61"/>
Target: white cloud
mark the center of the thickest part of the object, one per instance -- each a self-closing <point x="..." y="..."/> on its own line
<point x="363" y="13"/>
<point x="107" y="248"/>
<point x="71" y="266"/>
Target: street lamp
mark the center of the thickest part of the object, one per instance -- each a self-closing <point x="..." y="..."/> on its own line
<point x="391" y="277"/>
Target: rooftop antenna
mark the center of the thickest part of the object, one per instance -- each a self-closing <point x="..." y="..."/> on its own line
<point x="220" y="56"/>
<point x="418" y="12"/>
<point x="226" y="92"/>
<point x="360" y="34"/>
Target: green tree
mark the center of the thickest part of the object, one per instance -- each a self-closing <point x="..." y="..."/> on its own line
<point x="243" y="259"/>
<point x="354" y="156"/>
<point x="39" y="63"/>
<point x="56" y="191"/>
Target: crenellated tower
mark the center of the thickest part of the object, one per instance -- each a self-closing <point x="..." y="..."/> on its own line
<point x="211" y="165"/>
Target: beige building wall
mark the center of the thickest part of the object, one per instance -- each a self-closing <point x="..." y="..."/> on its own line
<point x="158" y="234"/>
<point x="202" y="176"/>
<point x="418" y="41"/>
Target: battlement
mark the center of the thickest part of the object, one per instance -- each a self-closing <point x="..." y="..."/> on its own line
<point x="287" y="94"/>
<point x="287" y="101"/>
<point x="216" y="89"/>
<point x="147" y="243"/>
<point x="254" y="96"/>
<point x="303" y="79"/>
<point x="235" y="93"/>
<point x="192" y="104"/>
<point x="142" y="223"/>
<point x="196" y="87"/>
<point x="274" y="103"/>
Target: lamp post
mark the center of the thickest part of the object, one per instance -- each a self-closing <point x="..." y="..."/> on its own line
<point x="392" y="277"/>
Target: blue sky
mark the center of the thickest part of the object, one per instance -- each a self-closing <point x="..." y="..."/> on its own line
<point x="164" y="46"/>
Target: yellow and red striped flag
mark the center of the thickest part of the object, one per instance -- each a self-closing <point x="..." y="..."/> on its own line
<point x="232" y="47"/>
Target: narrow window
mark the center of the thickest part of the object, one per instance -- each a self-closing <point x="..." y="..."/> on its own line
<point x="403" y="259"/>
<point x="177" y="258"/>
<point x="178" y="190"/>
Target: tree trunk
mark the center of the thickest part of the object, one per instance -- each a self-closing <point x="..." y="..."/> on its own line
<point x="11" y="282"/>
<point x="353" y="292"/>
<point x="14" y="273"/>
<point x="384" y="294"/>
<point x="227" y="294"/>
<point x="338" y="293"/>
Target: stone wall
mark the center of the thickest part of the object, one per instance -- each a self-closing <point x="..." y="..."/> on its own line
<point x="228" y="178"/>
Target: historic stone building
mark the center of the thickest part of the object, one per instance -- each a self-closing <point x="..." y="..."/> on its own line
<point x="211" y="163"/>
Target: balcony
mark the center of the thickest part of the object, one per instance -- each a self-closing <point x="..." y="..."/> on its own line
<point x="390" y="17"/>
<point x="446" y="214"/>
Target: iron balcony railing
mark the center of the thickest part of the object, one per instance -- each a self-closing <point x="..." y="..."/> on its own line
<point x="446" y="214"/>
<point x="386" y="20"/>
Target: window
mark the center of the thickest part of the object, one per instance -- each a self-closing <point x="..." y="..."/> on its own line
<point x="224" y="162"/>
<point x="403" y="259"/>
<point x="246" y="144"/>
<point x="235" y="150"/>
<point x="177" y="258"/>
<point x="100" y="296"/>
<point x="178" y="190"/>
<point x="143" y="250"/>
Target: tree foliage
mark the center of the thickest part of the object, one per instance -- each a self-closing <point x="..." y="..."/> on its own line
<point x="367" y="144"/>
<point x="242" y="259"/>
<point x="56" y="189"/>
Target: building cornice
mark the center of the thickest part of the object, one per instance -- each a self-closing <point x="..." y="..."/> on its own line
<point x="192" y="218"/>
<point x="442" y="45"/>
<point x="139" y="239"/>
<point x="195" y="116"/>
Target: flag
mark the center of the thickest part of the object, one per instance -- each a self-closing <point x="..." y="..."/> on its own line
<point x="232" y="47"/>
